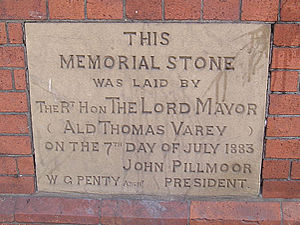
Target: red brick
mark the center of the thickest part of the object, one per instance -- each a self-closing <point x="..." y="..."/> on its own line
<point x="31" y="224"/>
<point x="295" y="170"/>
<point x="287" y="35"/>
<point x="13" y="124"/>
<point x="20" y="79"/>
<point x="15" y="33"/>
<point x="234" y="213"/>
<point x="221" y="10"/>
<point x="276" y="169"/>
<point x="182" y="9"/>
<point x="290" y="213"/>
<point x="16" y="185"/>
<point x="12" y="56"/>
<point x="286" y="58"/>
<point x="3" y="37"/>
<point x="66" y="9"/>
<point x="5" y="80"/>
<point x="104" y="9"/>
<point x="57" y="210"/>
<point x="290" y="10"/>
<point x="23" y="9"/>
<point x="281" y="189"/>
<point x="131" y="212"/>
<point x="283" y="149"/>
<point x="8" y="165"/>
<point x="7" y="209"/>
<point x="284" y="104"/>
<point x="13" y="102"/>
<point x="283" y="127"/>
<point x="15" y="145"/>
<point x="260" y="10"/>
<point x="143" y="9"/>
<point x="284" y="81"/>
<point x="25" y="165"/>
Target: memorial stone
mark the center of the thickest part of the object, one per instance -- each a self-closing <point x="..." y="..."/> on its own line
<point x="167" y="109"/>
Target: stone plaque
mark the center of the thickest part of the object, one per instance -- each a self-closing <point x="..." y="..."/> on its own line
<point x="153" y="109"/>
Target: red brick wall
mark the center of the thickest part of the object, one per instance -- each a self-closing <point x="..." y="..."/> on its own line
<point x="279" y="202"/>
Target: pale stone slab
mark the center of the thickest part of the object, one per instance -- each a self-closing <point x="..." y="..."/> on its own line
<point x="154" y="109"/>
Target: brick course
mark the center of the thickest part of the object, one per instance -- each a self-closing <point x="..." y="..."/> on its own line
<point x="13" y="124"/>
<point x="283" y="149"/>
<point x="66" y="9"/>
<point x="15" y="145"/>
<point x="104" y="9"/>
<point x="284" y="104"/>
<point x="284" y="81"/>
<point x="276" y="169"/>
<point x="15" y="33"/>
<point x="295" y="174"/>
<point x="234" y="213"/>
<point x="182" y="10"/>
<point x="23" y="9"/>
<point x="25" y="165"/>
<point x="221" y="10"/>
<point x="290" y="10"/>
<point x="129" y="212"/>
<point x="144" y="9"/>
<point x="13" y="102"/>
<point x="287" y="35"/>
<point x="282" y="189"/>
<point x="57" y="210"/>
<point x="260" y="10"/>
<point x="283" y="126"/>
<point x="286" y="58"/>
<point x="12" y="56"/>
<point x="3" y="36"/>
<point x="5" y="80"/>
<point x="17" y="185"/>
<point x="20" y="79"/>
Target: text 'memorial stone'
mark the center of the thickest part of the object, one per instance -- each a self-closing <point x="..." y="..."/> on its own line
<point x="152" y="109"/>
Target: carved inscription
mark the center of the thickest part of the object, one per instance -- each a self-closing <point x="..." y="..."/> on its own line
<point x="153" y="109"/>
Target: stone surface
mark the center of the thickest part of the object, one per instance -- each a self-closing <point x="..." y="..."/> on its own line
<point x="165" y="115"/>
